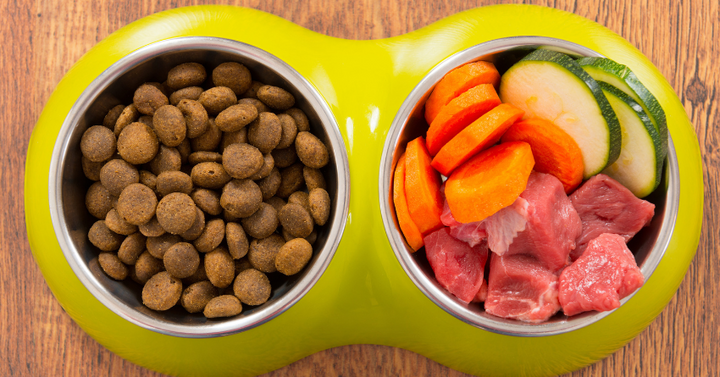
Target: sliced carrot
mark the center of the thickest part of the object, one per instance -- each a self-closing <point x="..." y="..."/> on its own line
<point x="459" y="113"/>
<point x="479" y="135"/>
<point x="458" y="81"/>
<point x="554" y="150"/>
<point x="422" y="188"/>
<point x="407" y="226"/>
<point x="490" y="181"/>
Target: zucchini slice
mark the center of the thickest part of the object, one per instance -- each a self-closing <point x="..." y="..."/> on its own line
<point x="621" y="77"/>
<point x="639" y="167"/>
<point x="551" y="85"/>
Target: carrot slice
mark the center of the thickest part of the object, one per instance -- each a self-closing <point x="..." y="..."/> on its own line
<point x="490" y="181"/>
<point x="458" y="81"/>
<point x="422" y="188"/>
<point x="459" y="113"/>
<point x="554" y="150"/>
<point x="411" y="232"/>
<point x="480" y="134"/>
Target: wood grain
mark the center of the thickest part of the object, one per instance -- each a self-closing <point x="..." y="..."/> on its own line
<point x="42" y="40"/>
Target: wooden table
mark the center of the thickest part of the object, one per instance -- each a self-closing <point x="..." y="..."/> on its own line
<point x="42" y="39"/>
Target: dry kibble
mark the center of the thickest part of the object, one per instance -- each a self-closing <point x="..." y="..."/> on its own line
<point x="313" y="178"/>
<point x="112" y="266"/>
<point x="197" y="228"/>
<point x="197" y="295"/>
<point x="259" y="105"/>
<point x="232" y="75"/>
<point x="293" y="256"/>
<point x="252" y="287"/>
<point x="262" y="223"/>
<point x="146" y="120"/>
<point x="185" y="149"/>
<point x="219" y="267"/>
<point x="209" y="140"/>
<point x="103" y="238"/>
<point x="284" y="157"/>
<point x="137" y="204"/>
<point x="158" y="246"/>
<point x="319" y="205"/>
<point x="311" y="151"/>
<point x="117" y="224"/>
<point x="112" y="116"/>
<point x="185" y="75"/>
<point x="241" y="198"/>
<point x="242" y="160"/>
<point x="181" y="260"/>
<point x="174" y="181"/>
<point x="311" y="238"/>
<point x="276" y="202"/>
<point x="292" y="180"/>
<point x="210" y="175"/>
<point x="196" y="117"/>
<point x="176" y="212"/>
<point x="237" y="241"/>
<point x="262" y="252"/>
<point x="270" y="184"/>
<point x="296" y="220"/>
<point x="204" y="156"/>
<point x="266" y="169"/>
<point x="199" y="275"/>
<point x="148" y="98"/>
<point x="147" y="266"/>
<point x="151" y="228"/>
<point x="167" y="159"/>
<point x="208" y="201"/>
<point x="131" y="248"/>
<point x="169" y="124"/>
<point x="301" y="120"/>
<point x="98" y="143"/>
<point x="137" y="143"/>
<point x="162" y="291"/>
<point x="117" y="174"/>
<point x="236" y="117"/>
<point x="289" y="131"/>
<point x="92" y="169"/>
<point x="129" y="114"/>
<point x="252" y="91"/>
<point x="233" y="137"/>
<point x="211" y="237"/>
<point x="222" y="306"/>
<point x="217" y="99"/>
<point x="191" y="92"/>
<point x="300" y="197"/>
<point x="241" y="265"/>
<point x="98" y="200"/>
<point x="276" y="97"/>
<point x="265" y="132"/>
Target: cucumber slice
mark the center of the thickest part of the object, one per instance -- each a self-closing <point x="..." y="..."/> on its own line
<point x="553" y="86"/>
<point x="621" y="77"/>
<point x="639" y="166"/>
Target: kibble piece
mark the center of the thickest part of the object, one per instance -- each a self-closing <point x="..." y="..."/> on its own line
<point x="92" y="169"/>
<point x="208" y="201"/>
<point x="270" y="184"/>
<point x="266" y="169"/>
<point x="233" y="75"/>
<point x="185" y="75"/>
<point x="209" y="140"/>
<point x="276" y="97"/>
<point x="169" y="124"/>
<point x="210" y="175"/>
<point x="181" y="260"/>
<point x="185" y="149"/>
<point x="293" y="256"/>
<point x="103" y="238"/>
<point x="131" y="248"/>
<point x="284" y="157"/>
<point x="117" y="224"/>
<point x="137" y="143"/>
<point x="146" y="120"/>
<point x="197" y="295"/>
<point x="289" y="131"/>
<point x="319" y="205"/>
<point x="259" y="105"/>
<point x="252" y="90"/>
<point x="211" y="237"/>
<point x="98" y="143"/>
<point x="204" y="156"/>
<point x="292" y="180"/>
<point x="137" y="204"/>
<point x="263" y="251"/>
<point x="129" y="115"/>
<point x="147" y="266"/>
<point x="158" y="246"/>
<point x="217" y="99"/>
<point x="314" y="178"/>
<point x="276" y="202"/>
<point x="237" y="241"/>
<point x="311" y="238"/>
<point x="117" y="174"/>
<point x="162" y="291"/>
<point x="174" y="181"/>
<point x="262" y="223"/>
<point x="241" y="265"/>
<point x="197" y="228"/>
<point x="252" y="287"/>
<point x="98" y="200"/>
<point x="151" y="228"/>
<point x="196" y="117"/>
<point x="242" y="160"/>
<point x="176" y="212"/>
<point x="112" y="116"/>
<point x="199" y="274"/>
<point x="191" y="93"/>
<point x="236" y="117"/>
<point x="112" y="266"/>
<point x="148" y="98"/>
<point x="265" y="132"/>
<point x="311" y="151"/>
<point x="241" y="198"/>
<point x="223" y="306"/>
<point x="233" y="137"/>
<point x="301" y="120"/>
<point x="219" y="267"/>
<point x="300" y="197"/>
<point x="296" y="220"/>
<point x="167" y="159"/>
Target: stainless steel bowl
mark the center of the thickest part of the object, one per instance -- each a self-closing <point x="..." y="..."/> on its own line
<point x="68" y="185"/>
<point x="648" y="245"/>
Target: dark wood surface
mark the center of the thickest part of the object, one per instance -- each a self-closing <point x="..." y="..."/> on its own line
<point x="42" y="39"/>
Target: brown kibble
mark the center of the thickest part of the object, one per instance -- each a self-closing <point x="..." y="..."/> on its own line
<point x="233" y="75"/>
<point x="158" y="246"/>
<point x="211" y="237"/>
<point x="103" y="238"/>
<point x="176" y="212"/>
<point x="241" y="198"/>
<point x="137" y="143"/>
<point x="181" y="260"/>
<point x="92" y="169"/>
<point x="276" y="202"/>
<point x="185" y="75"/>
<point x="252" y="287"/>
<point x="222" y="306"/>
<point x="174" y="181"/>
<point x="191" y="92"/>
<point x="148" y="98"/>
<point x="151" y="228"/>
<point x="112" y="266"/>
<point x="259" y="105"/>
<point x="167" y="159"/>
<point x="204" y="156"/>
<point x="162" y="291"/>
<point x="131" y="248"/>
<point x="319" y="205"/>
<point x="185" y="149"/>
<point x="233" y="137"/>
<point x="252" y="91"/>
<point x="209" y="140"/>
<point x="137" y="204"/>
<point x="219" y="267"/>
<point x="293" y="256"/>
<point x="117" y="224"/>
<point x="196" y="117"/>
<point x="129" y="114"/>
<point x="296" y="220"/>
<point x="292" y="180"/>
<point x="169" y="124"/>
<point x="198" y="276"/>
<point x="237" y="241"/>
<point x="117" y="174"/>
<point x="208" y="201"/>
<point x="314" y="178"/>
<point x="98" y="200"/>
<point x="265" y="132"/>
<point x="266" y="169"/>
<point x="311" y="151"/>
<point x="300" y="197"/>
<point x="276" y="97"/>
<point x="146" y="120"/>
<point x="311" y="238"/>
<point x="241" y="265"/>
<point x="270" y="184"/>
<point x="262" y="252"/>
<point x="195" y="297"/>
<point x="209" y="175"/>
<point x="284" y="157"/>
<point x="301" y="120"/>
<point x="242" y="160"/>
<point x="262" y="223"/>
<point x="289" y="131"/>
<point x="112" y="116"/>
<point x="217" y="99"/>
<point x="236" y="117"/>
<point x="197" y="228"/>
<point x="147" y="266"/>
<point x="98" y="143"/>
